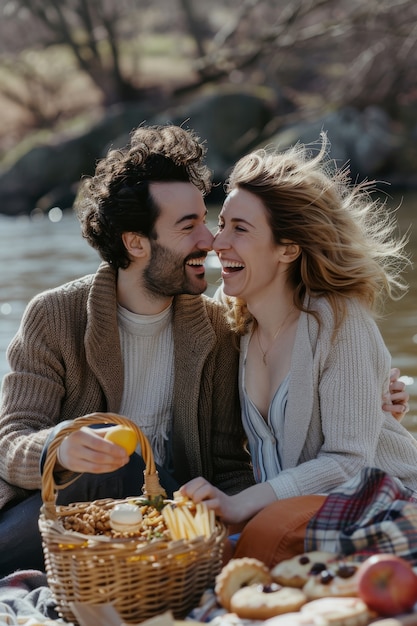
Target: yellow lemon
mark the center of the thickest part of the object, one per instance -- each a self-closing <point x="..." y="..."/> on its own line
<point x="123" y="436"/>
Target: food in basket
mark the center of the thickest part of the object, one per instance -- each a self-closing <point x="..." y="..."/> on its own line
<point x="125" y="518"/>
<point x="239" y="573"/>
<point x="123" y="436"/>
<point x="141" y="575"/>
<point x="94" y="519"/>
<point x="184" y="522"/>
<point x="260" y="602"/>
<point x="141" y="518"/>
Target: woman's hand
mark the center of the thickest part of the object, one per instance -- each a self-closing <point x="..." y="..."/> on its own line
<point x="230" y="509"/>
<point x="200" y="490"/>
<point x="396" y="401"/>
<point x="86" y="450"/>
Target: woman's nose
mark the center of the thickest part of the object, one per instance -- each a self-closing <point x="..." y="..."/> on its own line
<point x="219" y="242"/>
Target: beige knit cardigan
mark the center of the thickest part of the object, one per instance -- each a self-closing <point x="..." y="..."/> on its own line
<point x="65" y="362"/>
<point x="334" y="422"/>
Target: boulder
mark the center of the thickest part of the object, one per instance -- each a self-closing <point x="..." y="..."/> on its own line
<point x="230" y="121"/>
<point x="365" y="140"/>
<point x="52" y="171"/>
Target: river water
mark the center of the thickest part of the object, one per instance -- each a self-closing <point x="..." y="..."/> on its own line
<point x="43" y="252"/>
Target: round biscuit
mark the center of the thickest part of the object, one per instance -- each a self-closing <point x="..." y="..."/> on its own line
<point x="337" y="580"/>
<point x="339" y="611"/>
<point x="294" y="572"/>
<point x="239" y="573"/>
<point x="257" y="602"/>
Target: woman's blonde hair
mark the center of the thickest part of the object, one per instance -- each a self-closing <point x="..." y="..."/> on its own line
<point x="348" y="241"/>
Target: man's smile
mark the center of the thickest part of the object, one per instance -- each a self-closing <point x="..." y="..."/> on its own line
<point x="196" y="261"/>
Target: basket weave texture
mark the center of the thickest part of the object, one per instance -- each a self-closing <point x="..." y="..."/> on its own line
<point x="140" y="579"/>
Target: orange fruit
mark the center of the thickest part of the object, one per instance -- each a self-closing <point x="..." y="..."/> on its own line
<point x="123" y="436"/>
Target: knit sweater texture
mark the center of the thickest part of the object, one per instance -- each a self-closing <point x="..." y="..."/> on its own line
<point x="65" y="362"/>
<point x="334" y="422"/>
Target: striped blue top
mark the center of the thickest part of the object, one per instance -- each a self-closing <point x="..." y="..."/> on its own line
<point x="265" y="437"/>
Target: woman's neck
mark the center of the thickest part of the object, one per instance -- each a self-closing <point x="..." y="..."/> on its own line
<point x="272" y="312"/>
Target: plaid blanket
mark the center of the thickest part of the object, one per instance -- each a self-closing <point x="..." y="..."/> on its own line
<point x="371" y="513"/>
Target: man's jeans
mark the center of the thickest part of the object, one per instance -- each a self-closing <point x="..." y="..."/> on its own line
<point x="20" y="539"/>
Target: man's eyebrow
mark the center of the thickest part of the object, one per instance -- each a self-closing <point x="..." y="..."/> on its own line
<point x="190" y="216"/>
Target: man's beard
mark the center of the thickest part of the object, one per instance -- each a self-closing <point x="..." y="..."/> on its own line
<point x="165" y="274"/>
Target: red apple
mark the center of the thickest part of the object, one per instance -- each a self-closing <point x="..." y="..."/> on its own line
<point x="387" y="584"/>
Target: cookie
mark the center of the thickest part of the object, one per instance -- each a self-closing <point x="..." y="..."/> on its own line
<point x="339" y="579"/>
<point x="338" y="611"/>
<point x="295" y="572"/>
<point x="260" y="602"/>
<point x="239" y="573"/>
<point x="226" y="619"/>
<point x="294" y="619"/>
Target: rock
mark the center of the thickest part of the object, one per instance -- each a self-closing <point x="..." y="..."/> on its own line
<point x="230" y="121"/>
<point x="61" y="163"/>
<point x="363" y="139"/>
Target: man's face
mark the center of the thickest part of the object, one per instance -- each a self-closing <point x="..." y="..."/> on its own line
<point x="177" y="261"/>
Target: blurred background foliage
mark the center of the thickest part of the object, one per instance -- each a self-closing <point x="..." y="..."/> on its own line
<point x="78" y="75"/>
<point x="64" y="62"/>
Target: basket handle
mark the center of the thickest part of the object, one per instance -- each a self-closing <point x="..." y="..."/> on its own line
<point x="151" y="486"/>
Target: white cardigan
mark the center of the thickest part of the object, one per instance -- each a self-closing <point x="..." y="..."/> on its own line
<point x="334" y="423"/>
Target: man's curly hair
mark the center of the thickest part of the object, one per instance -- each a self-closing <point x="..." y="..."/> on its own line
<point x="117" y="198"/>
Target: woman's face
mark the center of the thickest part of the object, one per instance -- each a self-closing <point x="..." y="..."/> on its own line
<point x="249" y="256"/>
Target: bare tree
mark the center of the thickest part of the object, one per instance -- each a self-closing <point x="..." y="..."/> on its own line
<point x="94" y="31"/>
<point x="327" y="52"/>
<point x="319" y="53"/>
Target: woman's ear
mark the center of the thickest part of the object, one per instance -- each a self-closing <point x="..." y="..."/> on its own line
<point x="291" y="251"/>
<point x="136" y="245"/>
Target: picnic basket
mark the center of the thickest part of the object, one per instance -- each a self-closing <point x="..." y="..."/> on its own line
<point x="140" y="579"/>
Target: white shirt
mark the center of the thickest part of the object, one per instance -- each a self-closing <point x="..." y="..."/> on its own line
<point x="148" y="361"/>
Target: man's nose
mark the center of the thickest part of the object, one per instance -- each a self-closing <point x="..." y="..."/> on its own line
<point x="206" y="239"/>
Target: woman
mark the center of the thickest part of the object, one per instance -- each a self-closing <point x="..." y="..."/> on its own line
<point x="306" y="261"/>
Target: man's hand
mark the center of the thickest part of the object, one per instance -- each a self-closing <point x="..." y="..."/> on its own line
<point x="396" y="400"/>
<point x="86" y="450"/>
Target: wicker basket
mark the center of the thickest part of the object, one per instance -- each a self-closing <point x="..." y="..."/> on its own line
<point x="139" y="579"/>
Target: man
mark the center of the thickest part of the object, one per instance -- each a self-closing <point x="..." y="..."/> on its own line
<point x="125" y="340"/>
<point x="136" y="338"/>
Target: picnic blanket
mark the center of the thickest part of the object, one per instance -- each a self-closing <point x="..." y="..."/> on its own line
<point x="369" y="514"/>
<point x="25" y="594"/>
<point x="372" y="513"/>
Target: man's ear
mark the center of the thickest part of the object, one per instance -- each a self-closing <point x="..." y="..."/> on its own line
<point x="136" y="245"/>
